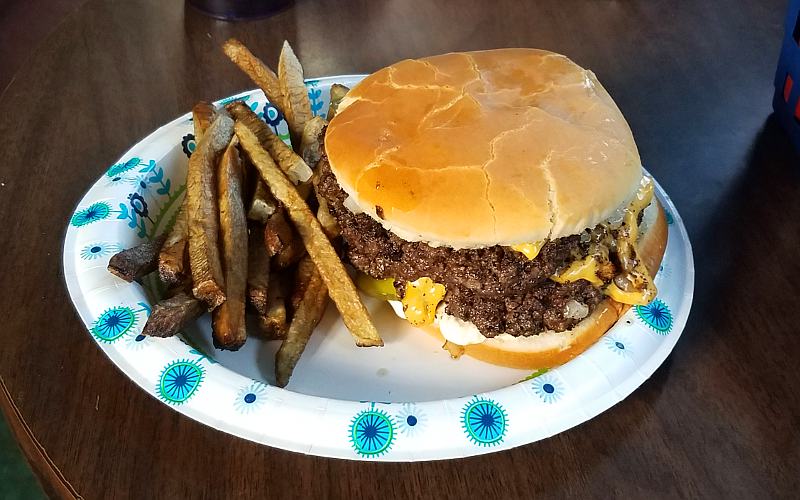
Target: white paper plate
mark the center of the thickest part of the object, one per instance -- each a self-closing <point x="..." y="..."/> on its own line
<point x="405" y="401"/>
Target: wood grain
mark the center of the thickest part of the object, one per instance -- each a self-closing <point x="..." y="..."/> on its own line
<point x="718" y="419"/>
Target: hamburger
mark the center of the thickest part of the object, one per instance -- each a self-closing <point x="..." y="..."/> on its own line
<point x="497" y="199"/>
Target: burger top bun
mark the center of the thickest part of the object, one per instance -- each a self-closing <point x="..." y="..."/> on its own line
<point x="485" y="148"/>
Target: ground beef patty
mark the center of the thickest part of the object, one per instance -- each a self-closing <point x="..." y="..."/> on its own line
<point x="496" y="288"/>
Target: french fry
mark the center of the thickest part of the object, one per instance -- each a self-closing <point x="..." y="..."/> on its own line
<point x="277" y="233"/>
<point x="295" y="94"/>
<point x="340" y="286"/>
<point x="273" y="324"/>
<point x="133" y="263"/>
<point x="202" y="116"/>
<point x="262" y="205"/>
<point x="170" y="315"/>
<point x="203" y="213"/>
<point x="172" y="258"/>
<point x="281" y="240"/>
<point x="257" y="271"/>
<point x="311" y="303"/>
<point x="326" y="220"/>
<point x="305" y="271"/>
<point x="338" y="92"/>
<point x="227" y="320"/>
<point x="311" y="143"/>
<point x="289" y="161"/>
<point x="260" y="73"/>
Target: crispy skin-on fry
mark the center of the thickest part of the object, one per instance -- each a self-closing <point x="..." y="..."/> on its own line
<point x="338" y="92"/>
<point x="257" y="271"/>
<point x="277" y="233"/>
<point x="340" y="286"/>
<point x="289" y="161"/>
<point x="308" y="312"/>
<point x="273" y="324"/>
<point x="311" y="143"/>
<point x="172" y="314"/>
<point x="227" y="320"/>
<point x="282" y="241"/>
<point x="326" y="220"/>
<point x="172" y="259"/>
<point x="260" y="73"/>
<point x="203" y="213"/>
<point x="262" y="205"/>
<point x="133" y="263"/>
<point x="202" y="116"/>
<point x="306" y="270"/>
<point x="295" y="95"/>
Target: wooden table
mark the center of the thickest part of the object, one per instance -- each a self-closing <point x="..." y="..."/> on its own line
<point x="719" y="418"/>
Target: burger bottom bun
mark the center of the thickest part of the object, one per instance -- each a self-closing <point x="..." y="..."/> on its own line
<point x="550" y="348"/>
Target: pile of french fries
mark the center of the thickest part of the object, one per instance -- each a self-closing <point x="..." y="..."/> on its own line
<point x="245" y="238"/>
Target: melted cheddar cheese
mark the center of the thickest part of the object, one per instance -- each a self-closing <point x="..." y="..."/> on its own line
<point x="529" y="250"/>
<point x="585" y="269"/>
<point x="633" y="284"/>
<point x="420" y="300"/>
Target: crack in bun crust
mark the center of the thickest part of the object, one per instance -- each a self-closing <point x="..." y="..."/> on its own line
<point x="484" y="148"/>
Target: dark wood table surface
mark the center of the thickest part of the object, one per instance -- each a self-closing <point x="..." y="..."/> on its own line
<point x="721" y="418"/>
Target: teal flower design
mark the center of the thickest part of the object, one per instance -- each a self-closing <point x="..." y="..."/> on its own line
<point x="179" y="381"/>
<point x="372" y="432"/>
<point x="484" y="421"/>
<point x="656" y="315"/>
<point x="114" y="323"/>
<point x="250" y="397"/>
<point x="314" y="95"/>
<point x="548" y="388"/>
<point x="98" y="250"/>
<point x="618" y="345"/>
<point x="93" y="213"/>
<point x="120" y="168"/>
<point x="410" y="419"/>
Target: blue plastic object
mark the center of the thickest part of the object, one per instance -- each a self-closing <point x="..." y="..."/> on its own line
<point x="786" y="102"/>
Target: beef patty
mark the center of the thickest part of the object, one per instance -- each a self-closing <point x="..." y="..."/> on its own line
<point x="496" y="288"/>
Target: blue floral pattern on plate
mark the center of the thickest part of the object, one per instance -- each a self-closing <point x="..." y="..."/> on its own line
<point x="98" y="250"/>
<point x="188" y="145"/>
<point x="548" y="387"/>
<point x="484" y="421"/>
<point x="372" y="432"/>
<point x="410" y="419"/>
<point x="114" y="323"/>
<point x="96" y="211"/>
<point x="250" y="397"/>
<point x="618" y="345"/>
<point x="179" y="381"/>
<point x="656" y="315"/>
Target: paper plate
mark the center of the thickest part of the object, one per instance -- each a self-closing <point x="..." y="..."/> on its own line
<point x="405" y="401"/>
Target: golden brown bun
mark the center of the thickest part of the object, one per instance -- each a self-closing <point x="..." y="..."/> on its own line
<point x="556" y="348"/>
<point x="485" y="148"/>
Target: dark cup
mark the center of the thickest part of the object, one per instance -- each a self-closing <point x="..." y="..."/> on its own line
<point x="239" y="10"/>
